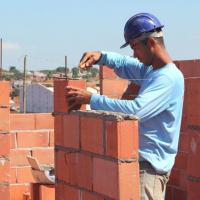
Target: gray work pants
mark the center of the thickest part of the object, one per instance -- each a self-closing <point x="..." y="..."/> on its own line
<point x="152" y="184"/>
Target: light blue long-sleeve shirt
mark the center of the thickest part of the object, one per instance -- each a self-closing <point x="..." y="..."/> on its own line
<point x="158" y="106"/>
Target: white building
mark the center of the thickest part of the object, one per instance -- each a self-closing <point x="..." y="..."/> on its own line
<point x="39" y="99"/>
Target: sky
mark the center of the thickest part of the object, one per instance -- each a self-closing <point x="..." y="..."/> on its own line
<point x="48" y="30"/>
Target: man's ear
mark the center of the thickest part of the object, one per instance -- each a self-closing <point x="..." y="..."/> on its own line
<point x="151" y="44"/>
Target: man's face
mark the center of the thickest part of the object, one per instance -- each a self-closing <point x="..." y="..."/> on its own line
<point x="141" y="51"/>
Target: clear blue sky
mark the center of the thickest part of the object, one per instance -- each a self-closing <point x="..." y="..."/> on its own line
<point x="47" y="30"/>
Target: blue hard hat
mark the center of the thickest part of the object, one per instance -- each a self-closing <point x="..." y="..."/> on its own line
<point x="139" y="24"/>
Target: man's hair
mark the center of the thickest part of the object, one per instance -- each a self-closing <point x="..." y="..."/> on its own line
<point x="160" y="40"/>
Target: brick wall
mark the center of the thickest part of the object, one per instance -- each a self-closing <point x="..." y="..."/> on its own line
<point x="31" y="134"/>
<point x="22" y="135"/>
<point x="95" y="158"/>
<point x="184" y="181"/>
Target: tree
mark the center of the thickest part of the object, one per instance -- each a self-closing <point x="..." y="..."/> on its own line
<point x="75" y="72"/>
<point x="13" y="69"/>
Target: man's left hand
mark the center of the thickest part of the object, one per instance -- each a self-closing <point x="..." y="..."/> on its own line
<point x="76" y="97"/>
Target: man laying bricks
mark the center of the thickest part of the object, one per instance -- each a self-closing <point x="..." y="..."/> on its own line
<point x="158" y="104"/>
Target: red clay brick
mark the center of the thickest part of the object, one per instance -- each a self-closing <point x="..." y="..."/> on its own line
<point x="113" y="88"/>
<point x="122" y="139"/>
<point x="58" y="131"/>
<point x="107" y="73"/>
<point x="4" y="170"/>
<point x="18" y="157"/>
<point x="106" y="177"/>
<point x="4" y="144"/>
<point x="92" y="134"/>
<point x="122" y="182"/>
<point x="90" y="196"/>
<point x="4" y="122"/>
<point x="44" y="155"/>
<point x="71" y="131"/>
<point x="193" y="190"/>
<point x="22" y="121"/>
<point x="74" y="168"/>
<point x="129" y="182"/>
<point x="5" y="192"/>
<point x="64" y="192"/>
<point x="60" y="103"/>
<point x="5" y="91"/>
<point x="17" y="191"/>
<point x="47" y="192"/>
<point x="44" y="121"/>
<point x="24" y="175"/>
<point x="32" y="139"/>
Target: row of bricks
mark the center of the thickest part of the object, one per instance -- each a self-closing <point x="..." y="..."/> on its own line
<point x="118" y="139"/>
<point x="91" y="173"/>
<point x="31" y="121"/>
<point x="21" y="174"/>
<point x="27" y="192"/>
<point x="28" y="139"/>
<point x="18" y="157"/>
<point x="65" y="192"/>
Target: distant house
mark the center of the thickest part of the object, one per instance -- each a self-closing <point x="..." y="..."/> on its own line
<point x="39" y="99"/>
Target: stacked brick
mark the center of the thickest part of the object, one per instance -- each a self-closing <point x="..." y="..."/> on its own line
<point x="4" y="140"/>
<point x="96" y="154"/>
<point x="184" y="181"/>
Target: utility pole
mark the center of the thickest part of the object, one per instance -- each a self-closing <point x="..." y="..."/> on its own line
<point x="1" y="68"/>
<point x="66" y="67"/>
<point x="24" y="85"/>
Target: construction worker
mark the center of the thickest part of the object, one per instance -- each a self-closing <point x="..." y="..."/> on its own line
<point x="158" y="104"/>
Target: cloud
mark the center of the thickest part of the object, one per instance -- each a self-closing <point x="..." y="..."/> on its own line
<point x="11" y="46"/>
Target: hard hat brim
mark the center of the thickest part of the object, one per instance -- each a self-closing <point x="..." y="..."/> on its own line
<point x="124" y="45"/>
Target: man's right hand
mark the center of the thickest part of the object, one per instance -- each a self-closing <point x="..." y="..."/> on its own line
<point x="89" y="58"/>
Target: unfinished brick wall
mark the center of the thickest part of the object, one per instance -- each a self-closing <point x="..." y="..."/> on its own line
<point x="184" y="181"/>
<point x="96" y="155"/>
<point x="31" y="134"/>
<point x="22" y="135"/>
